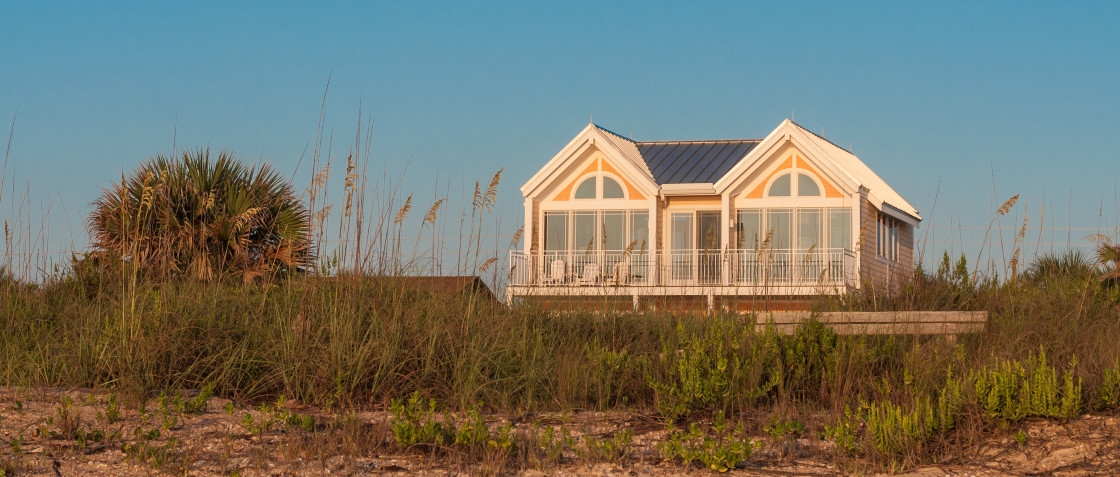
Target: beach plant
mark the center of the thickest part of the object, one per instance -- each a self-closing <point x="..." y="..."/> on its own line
<point x="721" y="447"/>
<point x="202" y="217"/>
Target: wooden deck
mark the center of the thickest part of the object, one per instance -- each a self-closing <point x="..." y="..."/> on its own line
<point x="882" y="323"/>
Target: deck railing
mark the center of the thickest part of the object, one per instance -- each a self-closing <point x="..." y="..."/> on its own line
<point x="824" y="267"/>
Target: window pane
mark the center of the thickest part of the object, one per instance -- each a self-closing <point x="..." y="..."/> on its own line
<point x="780" y="187"/>
<point x="780" y="223"/>
<point x="750" y="229"/>
<point x="707" y="230"/>
<point x="556" y="231"/>
<point x="639" y="231"/>
<point x="584" y="228"/>
<point x="809" y="228"/>
<point x="840" y="228"/>
<point x="586" y="189"/>
<point x="681" y="231"/>
<point x="613" y="230"/>
<point x="806" y="186"/>
<point x="611" y="189"/>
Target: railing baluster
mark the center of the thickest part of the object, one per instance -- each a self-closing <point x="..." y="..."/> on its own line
<point x="736" y="267"/>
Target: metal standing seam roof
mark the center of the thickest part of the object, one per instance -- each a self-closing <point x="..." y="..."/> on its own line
<point x="689" y="162"/>
<point x="702" y="162"/>
<point x="693" y="162"/>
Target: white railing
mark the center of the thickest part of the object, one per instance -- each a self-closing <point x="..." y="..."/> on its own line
<point x="823" y="267"/>
<point x="576" y="267"/>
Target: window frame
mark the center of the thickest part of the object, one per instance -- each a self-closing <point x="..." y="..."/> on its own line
<point x="794" y="175"/>
<point x="597" y="239"/>
<point x="598" y="178"/>
<point x="887" y="237"/>
<point x="826" y="217"/>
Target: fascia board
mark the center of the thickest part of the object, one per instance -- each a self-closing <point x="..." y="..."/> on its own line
<point x="821" y="157"/>
<point x="745" y="165"/>
<point x="643" y="180"/>
<point x="705" y="188"/>
<point x="556" y="162"/>
<point x="774" y="140"/>
<point x="900" y="214"/>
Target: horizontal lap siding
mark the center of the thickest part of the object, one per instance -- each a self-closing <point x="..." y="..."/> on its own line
<point x="881" y="273"/>
<point x="906" y="247"/>
<point x="871" y="268"/>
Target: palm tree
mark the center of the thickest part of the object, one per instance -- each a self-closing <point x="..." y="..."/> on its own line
<point x="202" y="218"/>
<point x="1108" y="254"/>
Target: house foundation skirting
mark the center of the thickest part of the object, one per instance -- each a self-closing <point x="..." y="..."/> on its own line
<point x="670" y="298"/>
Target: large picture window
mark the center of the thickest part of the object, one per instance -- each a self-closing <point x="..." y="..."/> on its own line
<point x="801" y="229"/>
<point x="596" y="230"/>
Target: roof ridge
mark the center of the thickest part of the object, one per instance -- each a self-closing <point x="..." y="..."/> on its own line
<point x="697" y="141"/>
<point x="803" y="128"/>
<point x="608" y="131"/>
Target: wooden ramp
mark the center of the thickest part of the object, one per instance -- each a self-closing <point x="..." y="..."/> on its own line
<point x="882" y="322"/>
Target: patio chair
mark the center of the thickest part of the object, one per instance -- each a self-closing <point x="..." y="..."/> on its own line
<point x="555" y="272"/>
<point x="622" y="273"/>
<point x="590" y="274"/>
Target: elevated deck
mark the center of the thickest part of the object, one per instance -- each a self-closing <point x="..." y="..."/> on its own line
<point x="719" y="278"/>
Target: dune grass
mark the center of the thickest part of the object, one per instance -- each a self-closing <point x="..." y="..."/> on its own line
<point x="349" y="336"/>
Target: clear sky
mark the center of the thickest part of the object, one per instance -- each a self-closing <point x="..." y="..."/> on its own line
<point x="962" y="94"/>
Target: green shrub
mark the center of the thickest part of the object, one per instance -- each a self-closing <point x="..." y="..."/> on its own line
<point x="414" y="423"/>
<point x="808" y="358"/>
<point x="724" y="363"/>
<point x="895" y="431"/>
<point x="722" y="448"/>
<point x="610" y="449"/>
<point x="1108" y="393"/>
<point x="1012" y="390"/>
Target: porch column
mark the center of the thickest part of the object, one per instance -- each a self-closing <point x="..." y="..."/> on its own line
<point x="528" y="231"/>
<point x="653" y="277"/>
<point x="725" y="239"/>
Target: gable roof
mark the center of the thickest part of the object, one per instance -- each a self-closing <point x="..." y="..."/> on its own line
<point x="718" y="163"/>
<point x="875" y="185"/>
<point x="609" y="143"/>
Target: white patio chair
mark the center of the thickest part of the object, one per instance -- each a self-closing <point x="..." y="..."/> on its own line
<point x="622" y="273"/>
<point x="555" y="272"/>
<point x="590" y="274"/>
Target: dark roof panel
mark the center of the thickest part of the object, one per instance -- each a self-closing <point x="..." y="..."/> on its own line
<point x="693" y="162"/>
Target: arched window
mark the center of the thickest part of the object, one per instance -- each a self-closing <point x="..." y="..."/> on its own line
<point x="599" y="187"/>
<point x="611" y="189"/>
<point x="780" y="187"/>
<point x="783" y="186"/>
<point x="586" y="189"/>
<point x="807" y="187"/>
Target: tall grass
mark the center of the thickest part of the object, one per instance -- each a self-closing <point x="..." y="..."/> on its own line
<point x="353" y="334"/>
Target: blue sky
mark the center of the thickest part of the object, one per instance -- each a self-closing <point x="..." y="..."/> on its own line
<point x="958" y="93"/>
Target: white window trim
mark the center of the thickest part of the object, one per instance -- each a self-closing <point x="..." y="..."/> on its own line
<point x="794" y="174"/>
<point x="570" y="232"/>
<point x="598" y="178"/>
<point x="887" y="232"/>
<point x="826" y="219"/>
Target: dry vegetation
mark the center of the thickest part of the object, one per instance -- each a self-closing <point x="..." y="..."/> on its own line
<point x="331" y="367"/>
